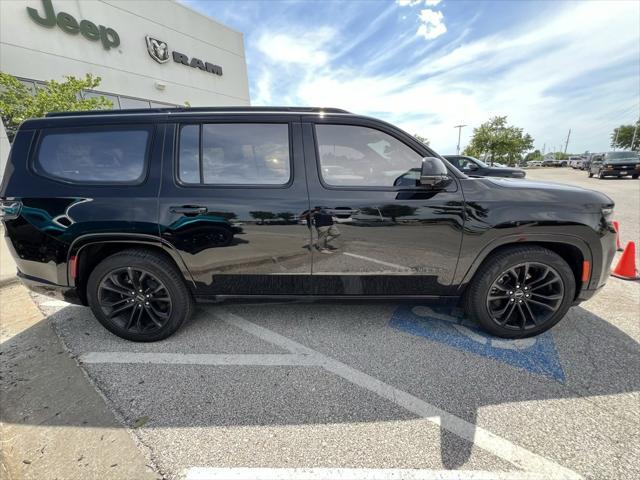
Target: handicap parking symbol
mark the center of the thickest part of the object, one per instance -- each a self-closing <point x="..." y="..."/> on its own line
<point x="446" y="325"/>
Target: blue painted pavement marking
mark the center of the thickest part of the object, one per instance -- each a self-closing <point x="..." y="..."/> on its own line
<point x="446" y="325"/>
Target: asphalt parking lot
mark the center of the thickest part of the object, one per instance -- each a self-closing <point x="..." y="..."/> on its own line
<point x="380" y="385"/>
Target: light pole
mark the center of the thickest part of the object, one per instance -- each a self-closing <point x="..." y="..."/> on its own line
<point x="459" y="127"/>
<point x="635" y="131"/>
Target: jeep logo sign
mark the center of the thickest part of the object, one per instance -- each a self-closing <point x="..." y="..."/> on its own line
<point x="67" y="23"/>
<point x="159" y="51"/>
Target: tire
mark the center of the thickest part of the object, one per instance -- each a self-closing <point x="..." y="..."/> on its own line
<point x="634" y="177"/>
<point x="155" y="311"/>
<point x="590" y="174"/>
<point x="488" y="283"/>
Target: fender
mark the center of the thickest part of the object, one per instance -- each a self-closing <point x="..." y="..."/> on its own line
<point x="137" y="238"/>
<point x="463" y="278"/>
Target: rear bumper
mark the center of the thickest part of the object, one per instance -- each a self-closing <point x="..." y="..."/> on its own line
<point x="58" y="292"/>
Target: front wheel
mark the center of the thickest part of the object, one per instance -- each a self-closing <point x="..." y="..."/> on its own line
<point x="520" y="292"/>
<point x="590" y="174"/>
<point x="139" y="295"/>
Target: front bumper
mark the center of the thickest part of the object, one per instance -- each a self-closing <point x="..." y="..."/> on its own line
<point x="620" y="172"/>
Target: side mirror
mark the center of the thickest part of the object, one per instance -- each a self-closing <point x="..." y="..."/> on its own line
<point x="434" y="173"/>
<point x="472" y="166"/>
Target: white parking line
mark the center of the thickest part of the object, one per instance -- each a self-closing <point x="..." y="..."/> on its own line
<point x="498" y="446"/>
<point x="203" y="473"/>
<point x="198" y="358"/>
<point x="534" y="465"/>
<point x="380" y="262"/>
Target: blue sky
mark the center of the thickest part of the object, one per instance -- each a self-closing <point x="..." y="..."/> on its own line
<point x="427" y="65"/>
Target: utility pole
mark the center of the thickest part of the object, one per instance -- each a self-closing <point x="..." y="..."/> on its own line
<point x="566" y="144"/>
<point x="544" y="147"/>
<point x="459" y="127"/>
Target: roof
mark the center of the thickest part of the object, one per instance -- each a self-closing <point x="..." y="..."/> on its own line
<point x="235" y="109"/>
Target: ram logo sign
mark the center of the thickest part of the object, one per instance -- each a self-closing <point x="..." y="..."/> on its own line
<point x="159" y="51"/>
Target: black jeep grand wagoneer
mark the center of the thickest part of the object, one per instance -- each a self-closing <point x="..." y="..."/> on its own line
<point x="138" y="213"/>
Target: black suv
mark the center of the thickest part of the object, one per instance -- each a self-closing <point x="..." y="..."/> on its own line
<point x="139" y="213"/>
<point x="477" y="168"/>
<point x="615" y="164"/>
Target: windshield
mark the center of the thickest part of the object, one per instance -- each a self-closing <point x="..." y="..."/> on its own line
<point x="480" y="163"/>
<point x="621" y="157"/>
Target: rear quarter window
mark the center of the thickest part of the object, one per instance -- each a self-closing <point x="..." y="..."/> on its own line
<point x="105" y="155"/>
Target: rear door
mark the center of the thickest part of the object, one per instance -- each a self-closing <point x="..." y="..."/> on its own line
<point x="232" y="194"/>
<point x="391" y="235"/>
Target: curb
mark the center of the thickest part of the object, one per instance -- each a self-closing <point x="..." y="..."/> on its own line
<point x="5" y="282"/>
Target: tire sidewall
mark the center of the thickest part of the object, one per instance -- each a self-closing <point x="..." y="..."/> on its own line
<point x="179" y="308"/>
<point x="503" y="263"/>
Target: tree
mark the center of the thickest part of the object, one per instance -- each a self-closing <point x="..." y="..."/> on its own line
<point x="622" y="136"/>
<point x="499" y="141"/>
<point x="18" y="103"/>
<point x="262" y="216"/>
<point x="422" y="139"/>
<point x="532" y="156"/>
<point x="286" y="216"/>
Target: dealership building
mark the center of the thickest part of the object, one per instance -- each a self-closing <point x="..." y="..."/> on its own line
<point x="148" y="53"/>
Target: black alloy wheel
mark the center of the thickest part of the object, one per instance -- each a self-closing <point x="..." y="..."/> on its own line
<point x="135" y="300"/>
<point x="139" y="295"/>
<point x="520" y="291"/>
<point x="525" y="296"/>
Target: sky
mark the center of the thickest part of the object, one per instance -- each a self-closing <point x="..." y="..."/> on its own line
<point x="428" y="65"/>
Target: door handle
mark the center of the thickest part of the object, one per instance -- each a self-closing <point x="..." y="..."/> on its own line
<point x="189" y="210"/>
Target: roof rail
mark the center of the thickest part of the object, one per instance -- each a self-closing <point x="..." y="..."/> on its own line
<point x="197" y="110"/>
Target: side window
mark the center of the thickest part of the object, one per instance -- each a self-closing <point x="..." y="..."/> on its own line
<point x="361" y="156"/>
<point x="234" y="154"/>
<point x="94" y="155"/>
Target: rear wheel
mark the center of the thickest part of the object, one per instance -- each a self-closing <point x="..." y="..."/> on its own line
<point x="139" y="295"/>
<point x="521" y="292"/>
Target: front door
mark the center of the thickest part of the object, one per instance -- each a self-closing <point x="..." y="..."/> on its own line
<point x="377" y="230"/>
<point x="232" y="196"/>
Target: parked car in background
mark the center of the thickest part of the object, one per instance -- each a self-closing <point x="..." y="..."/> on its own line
<point x="615" y="164"/>
<point x="534" y="163"/>
<point x="551" y="163"/>
<point x="477" y="168"/>
<point x="575" y="161"/>
<point x="132" y="212"/>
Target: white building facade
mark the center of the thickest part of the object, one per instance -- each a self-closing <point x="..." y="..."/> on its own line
<point x="148" y="53"/>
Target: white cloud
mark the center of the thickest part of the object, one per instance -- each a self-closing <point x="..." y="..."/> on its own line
<point x="408" y="3"/>
<point x="412" y="3"/>
<point x="303" y="48"/>
<point x="527" y="72"/>
<point x="432" y="24"/>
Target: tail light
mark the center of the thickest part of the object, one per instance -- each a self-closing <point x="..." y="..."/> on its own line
<point x="10" y="209"/>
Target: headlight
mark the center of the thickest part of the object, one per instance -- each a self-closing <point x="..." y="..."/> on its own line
<point x="637" y="166"/>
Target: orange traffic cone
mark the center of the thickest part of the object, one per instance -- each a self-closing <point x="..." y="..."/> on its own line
<point x="616" y="227"/>
<point x="626" y="267"/>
